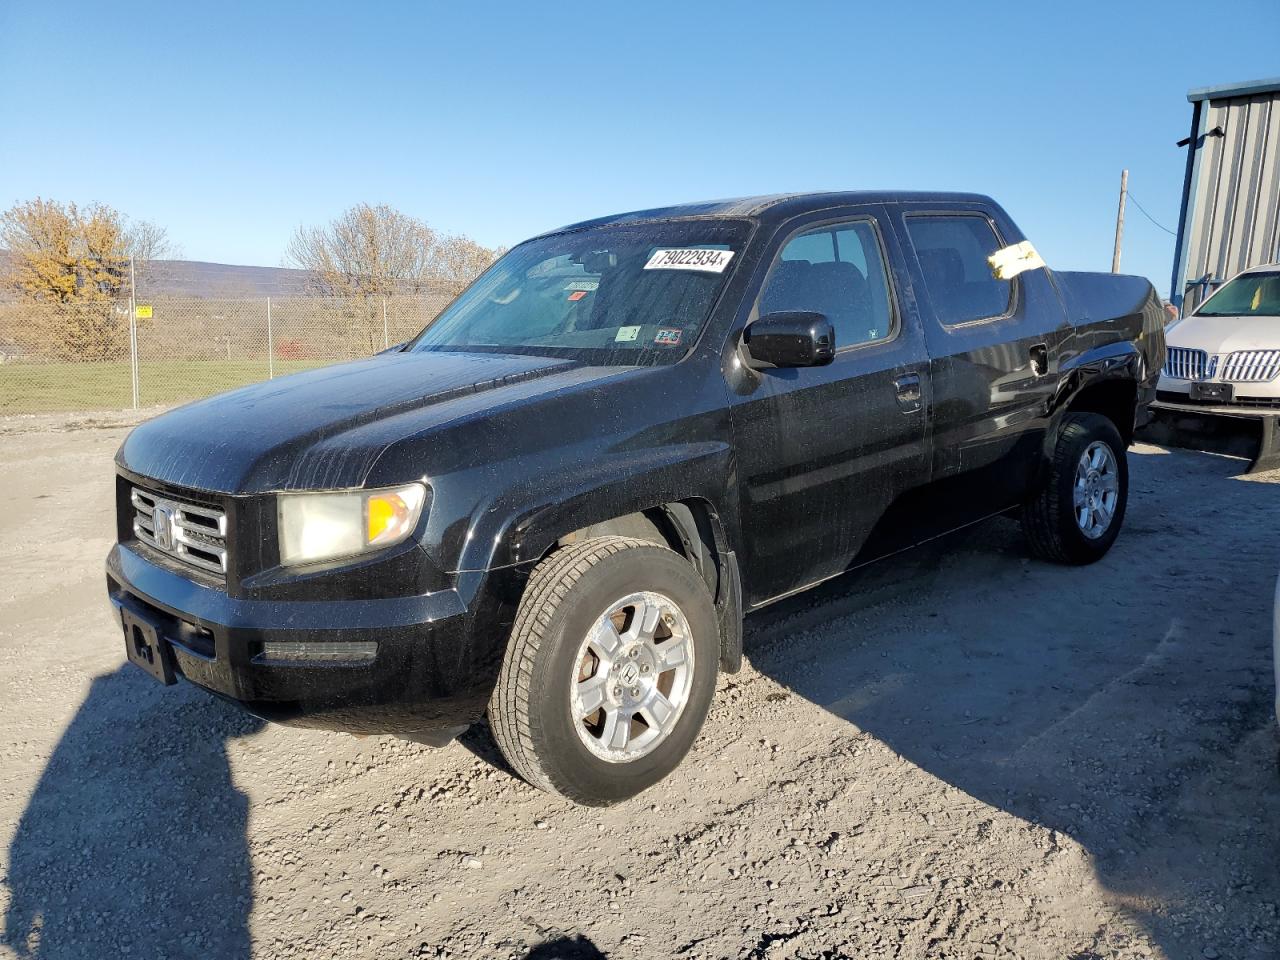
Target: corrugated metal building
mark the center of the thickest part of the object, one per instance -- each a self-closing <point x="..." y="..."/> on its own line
<point x="1230" y="216"/>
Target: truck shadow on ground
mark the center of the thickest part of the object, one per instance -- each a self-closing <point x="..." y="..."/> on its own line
<point x="138" y="796"/>
<point x="1127" y="704"/>
<point x="566" y="948"/>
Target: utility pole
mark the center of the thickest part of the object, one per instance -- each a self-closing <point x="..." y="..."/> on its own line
<point x="1124" y="195"/>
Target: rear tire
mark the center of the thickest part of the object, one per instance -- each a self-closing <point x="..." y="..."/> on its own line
<point x="1076" y="513"/>
<point x="609" y="672"/>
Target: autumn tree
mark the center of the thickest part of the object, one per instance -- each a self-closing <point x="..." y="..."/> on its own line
<point x="75" y="260"/>
<point x="371" y="253"/>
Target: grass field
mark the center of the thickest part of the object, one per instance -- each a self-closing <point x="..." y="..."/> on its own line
<point x="49" y="387"/>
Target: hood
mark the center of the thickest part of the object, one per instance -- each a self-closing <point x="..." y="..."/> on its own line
<point x="1225" y="334"/>
<point x="323" y="429"/>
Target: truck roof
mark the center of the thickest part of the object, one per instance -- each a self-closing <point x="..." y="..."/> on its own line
<point x="776" y="206"/>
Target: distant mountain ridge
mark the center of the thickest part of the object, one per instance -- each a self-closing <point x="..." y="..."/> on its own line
<point x="203" y="280"/>
<point x="198" y="278"/>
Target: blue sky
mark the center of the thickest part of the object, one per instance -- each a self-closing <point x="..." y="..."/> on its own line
<point x="232" y="124"/>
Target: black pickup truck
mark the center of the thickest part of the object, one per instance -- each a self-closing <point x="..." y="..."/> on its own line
<point x="556" y="504"/>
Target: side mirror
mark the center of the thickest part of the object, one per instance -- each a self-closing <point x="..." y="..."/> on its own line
<point x="398" y="347"/>
<point x="791" y="338"/>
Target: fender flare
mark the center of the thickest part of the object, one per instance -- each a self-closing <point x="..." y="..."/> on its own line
<point x="1118" y="363"/>
<point x="684" y="482"/>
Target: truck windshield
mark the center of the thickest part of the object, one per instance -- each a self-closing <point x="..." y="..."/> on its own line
<point x="1252" y="295"/>
<point x="629" y="294"/>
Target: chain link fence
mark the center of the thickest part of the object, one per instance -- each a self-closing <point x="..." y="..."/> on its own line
<point x="91" y="357"/>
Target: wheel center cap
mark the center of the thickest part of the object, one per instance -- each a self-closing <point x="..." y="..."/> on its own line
<point x="630" y="674"/>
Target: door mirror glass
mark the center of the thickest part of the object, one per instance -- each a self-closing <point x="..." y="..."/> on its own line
<point x="790" y="338"/>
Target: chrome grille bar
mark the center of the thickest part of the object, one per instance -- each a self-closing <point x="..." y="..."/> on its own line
<point x="1184" y="364"/>
<point x="1251" y="366"/>
<point x="194" y="534"/>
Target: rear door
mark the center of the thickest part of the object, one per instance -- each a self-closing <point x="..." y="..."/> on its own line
<point x="821" y="451"/>
<point x="995" y="347"/>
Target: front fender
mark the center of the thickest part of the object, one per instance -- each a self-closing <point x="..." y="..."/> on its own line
<point x="525" y="523"/>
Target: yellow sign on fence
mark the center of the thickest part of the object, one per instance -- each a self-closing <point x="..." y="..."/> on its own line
<point x="142" y="311"/>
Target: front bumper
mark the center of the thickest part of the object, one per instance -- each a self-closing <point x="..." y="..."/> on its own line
<point x="1249" y="398"/>
<point x="1234" y="430"/>
<point x="437" y="655"/>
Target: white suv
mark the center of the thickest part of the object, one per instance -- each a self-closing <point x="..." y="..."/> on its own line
<point x="1228" y="351"/>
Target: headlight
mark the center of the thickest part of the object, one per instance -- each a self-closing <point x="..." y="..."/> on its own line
<point x="326" y="526"/>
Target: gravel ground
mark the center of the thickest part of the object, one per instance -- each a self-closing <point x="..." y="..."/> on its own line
<point x="957" y="753"/>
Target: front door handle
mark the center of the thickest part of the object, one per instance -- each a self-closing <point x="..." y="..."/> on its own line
<point x="1040" y="359"/>
<point x="908" y="390"/>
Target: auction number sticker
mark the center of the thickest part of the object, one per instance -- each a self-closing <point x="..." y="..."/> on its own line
<point x="690" y="258"/>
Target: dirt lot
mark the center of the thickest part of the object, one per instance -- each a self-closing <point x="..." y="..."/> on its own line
<point x="958" y="753"/>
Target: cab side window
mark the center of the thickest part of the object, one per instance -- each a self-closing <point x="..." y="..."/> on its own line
<point x="836" y="270"/>
<point x="953" y="251"/>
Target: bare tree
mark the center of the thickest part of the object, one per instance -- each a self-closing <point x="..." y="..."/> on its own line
<point x="147" y="241"/>
<point x="367" y="251"/>
<point x="374" y="252"/>
<point x="458" y="260"/>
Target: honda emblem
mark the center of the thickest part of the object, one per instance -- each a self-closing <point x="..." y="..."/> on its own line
<point x="162" y="527"/>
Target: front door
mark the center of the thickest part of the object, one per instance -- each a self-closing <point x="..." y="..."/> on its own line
<point x="822" y="451"/>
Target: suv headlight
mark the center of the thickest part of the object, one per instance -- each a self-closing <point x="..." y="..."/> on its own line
<point x="327" y="526"/>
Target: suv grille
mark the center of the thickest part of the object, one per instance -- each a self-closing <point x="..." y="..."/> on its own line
<point x="1184" y="364"/>
<point x="1251" y="366"/>
<point x="195" y="535"/>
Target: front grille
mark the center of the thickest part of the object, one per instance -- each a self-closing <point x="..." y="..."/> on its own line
<point x="1251" y="366"/>
<point x="1184" y="364"/>
<point x="194" y="534"/>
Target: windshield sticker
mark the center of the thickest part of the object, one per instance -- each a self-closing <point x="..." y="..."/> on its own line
<point x="1010" y="261"/>
<point x="690" y="258"/>
<point x="667" y="338"/>
<point x="577" y="295"/>
<point x="586" y="285"/>
<point x="626" y="333"/>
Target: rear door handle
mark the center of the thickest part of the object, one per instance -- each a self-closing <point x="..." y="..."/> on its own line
<point x="908" y="390"/>
<point x="1040" y="359"/>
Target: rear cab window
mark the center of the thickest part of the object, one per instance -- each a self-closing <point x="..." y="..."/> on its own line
<point x="952" y="250"/>
<point x="837" y="270"/>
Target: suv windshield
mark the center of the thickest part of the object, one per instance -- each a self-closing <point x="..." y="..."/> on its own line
<point x="633" y="294"/>
<point x="1252" y="295"/>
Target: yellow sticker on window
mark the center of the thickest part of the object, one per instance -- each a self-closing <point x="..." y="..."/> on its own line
<point x="1010" y="261"/>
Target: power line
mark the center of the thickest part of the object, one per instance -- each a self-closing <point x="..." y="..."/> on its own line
<point x="1149" y="216"/>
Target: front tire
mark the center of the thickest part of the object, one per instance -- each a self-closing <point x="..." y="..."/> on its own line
<point x="1075" y="515"/>
<point x="609" y="671"/>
